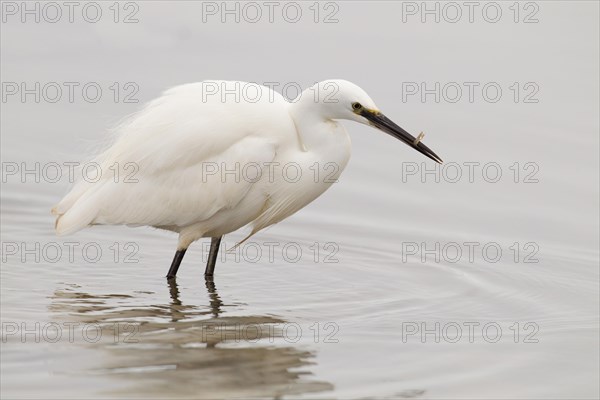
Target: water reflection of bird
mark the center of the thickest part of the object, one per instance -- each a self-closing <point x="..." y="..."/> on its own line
<point x="174" y="293"/>
<point x="170" y="144"/>
<point x="174" y="355"/>
<point x="215" y="302"/>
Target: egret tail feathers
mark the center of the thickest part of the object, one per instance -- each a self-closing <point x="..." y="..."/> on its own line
<point x="74" y="216"/>
<point x="73" y="220"/>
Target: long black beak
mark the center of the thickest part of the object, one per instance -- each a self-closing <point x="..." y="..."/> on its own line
<point x="385" y="124"/>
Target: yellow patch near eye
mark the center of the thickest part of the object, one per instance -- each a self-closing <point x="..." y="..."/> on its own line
<point x="373" y="111"/>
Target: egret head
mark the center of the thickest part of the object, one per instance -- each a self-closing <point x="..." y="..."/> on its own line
<point x="344" y="100"/>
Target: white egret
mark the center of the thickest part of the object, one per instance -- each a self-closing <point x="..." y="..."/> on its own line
<point x="172" y="142"/>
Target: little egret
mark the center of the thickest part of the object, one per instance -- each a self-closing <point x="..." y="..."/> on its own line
<point x="187" y="148"/>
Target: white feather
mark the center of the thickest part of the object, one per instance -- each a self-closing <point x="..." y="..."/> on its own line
<point x="173" y="142"/>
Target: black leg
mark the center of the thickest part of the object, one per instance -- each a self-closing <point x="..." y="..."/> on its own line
<point x="175" y="264"/>
<point x="212" y="256"/>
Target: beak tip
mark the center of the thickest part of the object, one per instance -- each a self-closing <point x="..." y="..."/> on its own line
<point x="430" y="154"/>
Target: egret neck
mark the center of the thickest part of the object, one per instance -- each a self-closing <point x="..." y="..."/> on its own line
<point x="318" y="130"/>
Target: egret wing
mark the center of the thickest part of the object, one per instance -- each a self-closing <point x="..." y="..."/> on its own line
<point x="175" y="145"/>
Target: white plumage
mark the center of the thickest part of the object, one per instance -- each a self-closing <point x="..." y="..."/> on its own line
<point x="175" y="143"/>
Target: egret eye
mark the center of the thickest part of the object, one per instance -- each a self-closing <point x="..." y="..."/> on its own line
<point x="356" y="106"/>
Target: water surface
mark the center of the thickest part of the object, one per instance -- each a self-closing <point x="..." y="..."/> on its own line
<point x="377" y="311"/>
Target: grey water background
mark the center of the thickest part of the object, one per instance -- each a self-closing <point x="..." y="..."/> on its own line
<point x="339" y="326"/>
